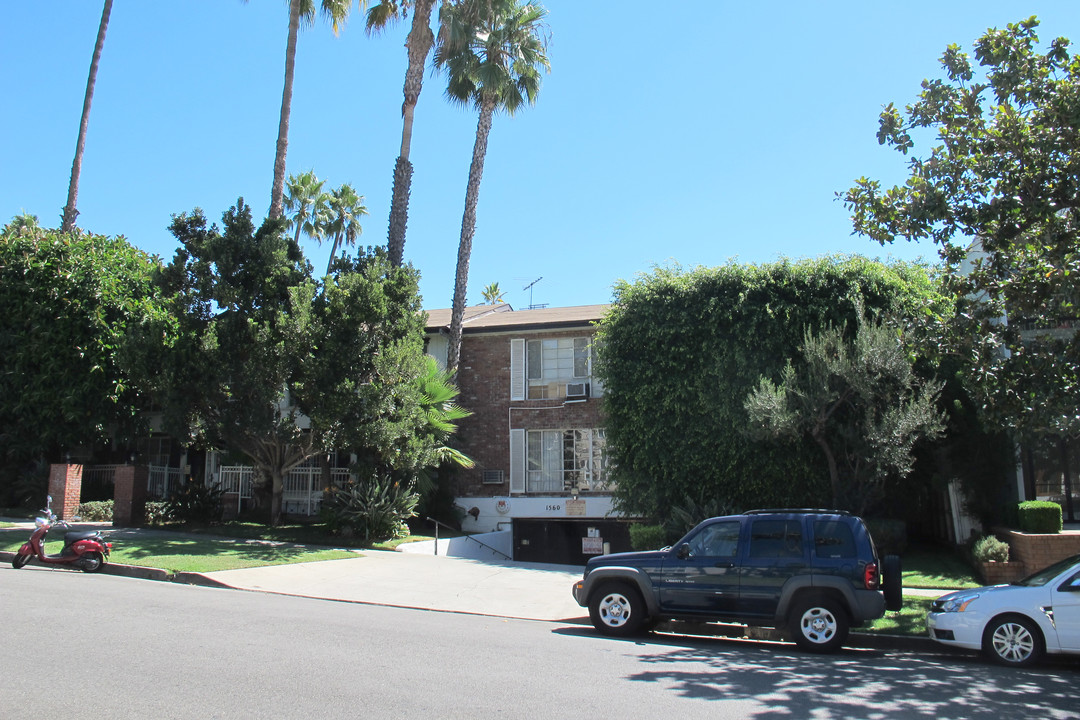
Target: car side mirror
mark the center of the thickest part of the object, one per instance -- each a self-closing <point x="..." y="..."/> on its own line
<point x="683" y="551"/>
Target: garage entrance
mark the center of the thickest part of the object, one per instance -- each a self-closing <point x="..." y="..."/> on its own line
<point x="565" y="541"/>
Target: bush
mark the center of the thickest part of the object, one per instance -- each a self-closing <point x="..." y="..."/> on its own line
<point x="195" y="503"/>
<point x="990" y="549"/>
<point x="647" y="537"/>
<point x="96" y="511"/>
<point x="1037" y="516"/>
<point x="157" y="513"/>
<point x="375" y="508"/>
<point x="890" y="536"/>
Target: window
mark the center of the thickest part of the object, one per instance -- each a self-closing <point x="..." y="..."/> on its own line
<point x="720" y="539"/>
<point x="565" y="461"/>
<point x="552" y="362"/>
<point x="775" y="539"/>
<point x="833" y="539"/>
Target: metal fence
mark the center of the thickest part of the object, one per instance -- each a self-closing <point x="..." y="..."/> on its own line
<point x="302" y="487"/>
<point x="163" y="481"/>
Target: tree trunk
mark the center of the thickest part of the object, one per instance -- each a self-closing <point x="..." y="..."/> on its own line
<point x="278" y="191"/>
<point x="834" y="473"/>
<point x="468" y="229"/>
<point x="70" y="213"/>
<point x="419" y="45"/>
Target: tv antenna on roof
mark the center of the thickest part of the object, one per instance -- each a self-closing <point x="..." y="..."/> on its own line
<point x="529" y="288"/>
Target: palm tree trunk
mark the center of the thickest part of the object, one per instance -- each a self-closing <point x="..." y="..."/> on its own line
<point x="70" y="213"/>
<point x="277" y="193"/>
<point x="419" y="44"/>
<point x="468" y="229"/>
<point x="333" y="251"/>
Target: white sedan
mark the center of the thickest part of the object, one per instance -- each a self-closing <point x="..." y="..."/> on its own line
<point x="1014" y="624"/>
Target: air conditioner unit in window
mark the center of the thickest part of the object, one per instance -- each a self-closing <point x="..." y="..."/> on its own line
<point x="493" y="477"/>
<point x="577" y="390"/>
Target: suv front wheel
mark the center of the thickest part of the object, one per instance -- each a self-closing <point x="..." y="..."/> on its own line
<point x="617" y="609"/>
<point x="818" y="624"/>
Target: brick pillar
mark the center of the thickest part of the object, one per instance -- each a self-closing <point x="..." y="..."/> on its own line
<point x="65" y="486"/>
<point x="129" y="500"/>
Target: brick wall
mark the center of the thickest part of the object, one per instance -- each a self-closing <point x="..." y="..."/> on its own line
<point x="129" y="501"/>
<point x="484" y="379"/>
<point x="1038" y="551"/>
<point x="65" y="487"/>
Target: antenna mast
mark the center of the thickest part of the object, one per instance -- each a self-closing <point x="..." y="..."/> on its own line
<point x="529" y="288"/>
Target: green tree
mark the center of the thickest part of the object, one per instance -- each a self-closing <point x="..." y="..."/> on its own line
<point x="345" y="208"/>
<point x="300" y="11"/>
<point x="281" y="367"/>
<point x="493" y="53"/>
<point x="309" y="206"/>
<point x="71" y="307"/>
<point x="493" y="294"/>
<point x="70" y="211"/>
<point x="679" y="352"/>
<point x="997" y="193"/>
<point x="861" y="403"/>
<point x="418" y="44"/>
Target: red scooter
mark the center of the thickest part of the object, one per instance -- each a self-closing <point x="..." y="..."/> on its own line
<point x="86" y="551"/>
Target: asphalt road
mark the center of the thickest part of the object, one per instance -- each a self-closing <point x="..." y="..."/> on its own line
<point x="78" y="645"/>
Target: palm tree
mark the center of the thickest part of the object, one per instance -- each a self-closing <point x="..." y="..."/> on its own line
<point x="299" y="10"/>
<point x="493" y="52"/>
<point x="70" y="213"/>
<point x="493" y="294"/>
<point x="418" y="44"/>
<point x="310" y="204"/>
<point x="346" y="207"/>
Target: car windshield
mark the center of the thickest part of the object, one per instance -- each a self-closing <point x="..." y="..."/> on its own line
<point x="1047" y="574"/>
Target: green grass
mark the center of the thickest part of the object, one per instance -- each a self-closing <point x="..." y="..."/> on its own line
<point x="926" y="567"/>
<point x="910" y="620"/>
<point x="196" y="554"/>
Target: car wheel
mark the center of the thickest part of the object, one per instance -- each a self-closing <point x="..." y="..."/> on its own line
<point x="617" y="609"/>
<point x="1013" y="640"/>
<point x="818" y="624"/>
<point x="892" y="583"/>
<point x="19" y="561"/>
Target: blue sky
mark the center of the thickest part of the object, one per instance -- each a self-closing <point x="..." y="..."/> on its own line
<point x="719" y="131"/>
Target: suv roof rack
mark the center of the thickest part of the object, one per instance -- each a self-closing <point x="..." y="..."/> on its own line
<point x="820" y="511"/>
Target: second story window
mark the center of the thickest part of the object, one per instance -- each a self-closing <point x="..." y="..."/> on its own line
<point x="553" y="362"/>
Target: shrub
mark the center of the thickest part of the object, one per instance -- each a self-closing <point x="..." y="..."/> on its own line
<point x="1037" y="516"/>
<point x="647" y="537"/>
<point x="96" y="511"/>
<point x="890" y="536"/>
<point x="989" y="549"/>
<point x="195" y="503"/>
<point x="375" y="508"/>
<point x="157" y="513"/>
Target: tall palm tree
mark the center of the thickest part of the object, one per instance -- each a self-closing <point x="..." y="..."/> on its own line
<point x="346" y="207"/>
<point x="337" y="11"/>
<point x="493" y="53"/>
<point x="418" y="43"/>
<point x="70" y="213"/>
<point x="493" y="294"/>
<point x="310" y="205"/>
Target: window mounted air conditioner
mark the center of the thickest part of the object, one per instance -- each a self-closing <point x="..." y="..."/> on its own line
<point x="493" y="477"/>
<point x="577" y="390"/>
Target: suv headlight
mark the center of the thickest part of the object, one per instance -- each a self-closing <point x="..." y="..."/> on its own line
<point x="959" y="603"/>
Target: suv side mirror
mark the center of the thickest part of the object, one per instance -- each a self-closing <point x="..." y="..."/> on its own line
<point x="683" y="551"/>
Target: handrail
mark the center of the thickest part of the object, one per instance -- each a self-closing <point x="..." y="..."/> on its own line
<point x="465" y="535"/>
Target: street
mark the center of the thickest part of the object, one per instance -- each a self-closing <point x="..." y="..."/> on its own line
<point x="116" y="647"/>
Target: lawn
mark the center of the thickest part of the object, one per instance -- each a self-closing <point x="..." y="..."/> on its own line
<point x="910" y="620"/>
<point x="936" y="567"/>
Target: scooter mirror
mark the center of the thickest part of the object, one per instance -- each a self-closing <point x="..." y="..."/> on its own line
<point x="48" y="499"/>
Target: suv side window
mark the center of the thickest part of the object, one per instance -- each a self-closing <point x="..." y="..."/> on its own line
<point x="833" y="539"/>
<point x="720" y="539"/>
<point x="776" y="539"/>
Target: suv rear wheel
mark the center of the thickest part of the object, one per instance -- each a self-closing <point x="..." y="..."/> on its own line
<point x="818" y="624"/>
<point x="617" y="609"/>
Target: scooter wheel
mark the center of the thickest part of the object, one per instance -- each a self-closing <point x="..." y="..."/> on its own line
<point x="91" y="562"/>
<point x="19" y="561"/>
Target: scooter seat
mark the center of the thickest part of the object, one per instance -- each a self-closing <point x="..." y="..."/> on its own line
<point x="76" y="536"/>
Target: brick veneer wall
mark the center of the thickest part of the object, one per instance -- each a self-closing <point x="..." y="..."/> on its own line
<point x="1038" y="551"/>
<point x="129" y="498"/>
<point x="484" y="379"/>
<point x="65" y="486"/>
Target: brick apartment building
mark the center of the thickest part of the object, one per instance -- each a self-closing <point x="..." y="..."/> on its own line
<point x="536" y="433"/>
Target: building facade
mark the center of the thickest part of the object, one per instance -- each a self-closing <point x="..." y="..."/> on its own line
<point x="536" y="433"/>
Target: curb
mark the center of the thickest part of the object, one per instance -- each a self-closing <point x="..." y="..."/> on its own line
<point x="141" y="573"/>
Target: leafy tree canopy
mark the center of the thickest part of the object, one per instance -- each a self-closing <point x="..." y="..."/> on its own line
<point x="282" y="367"/>
<point x="680" y="351"/>
<point x="70" y="306"/>
<point x="998" y="193"/>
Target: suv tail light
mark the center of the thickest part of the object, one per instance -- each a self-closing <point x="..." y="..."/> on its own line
<point x="871" y="577"/>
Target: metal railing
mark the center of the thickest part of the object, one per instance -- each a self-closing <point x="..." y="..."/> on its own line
<point x="162" y="481"/>
<point x="464" y="535"/>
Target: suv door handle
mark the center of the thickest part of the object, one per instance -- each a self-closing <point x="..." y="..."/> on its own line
<point x="795" y="566"/>
<point x="724" y="565"/>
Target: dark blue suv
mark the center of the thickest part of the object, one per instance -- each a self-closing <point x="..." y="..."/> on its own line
<point x="815" y="573"/>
